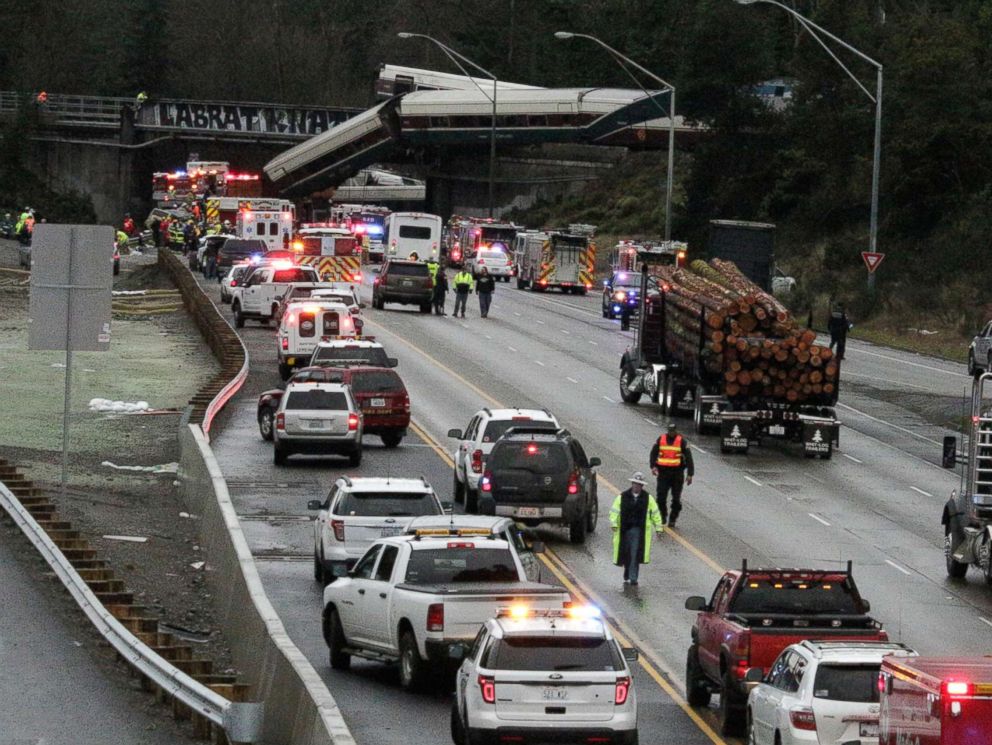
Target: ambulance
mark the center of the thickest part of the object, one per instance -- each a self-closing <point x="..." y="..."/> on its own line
<point x="304" y="324"/>
<point x="935" y="701"/>
<point x="270" y="220"/>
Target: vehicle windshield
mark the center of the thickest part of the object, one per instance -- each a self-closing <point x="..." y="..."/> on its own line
<point x="409" y="270"/>
<point x="318" y="376"/>
<point x="317" y="399"/>
<point x="375" y="356"/>
<point x="858" y="683"/>
<point x="297" y="274"/>
<point x="376" y="381"/>
<point x="535" y="457"/>
<point x="387" y="504"/>
<point x="497" y="428"/>
<point x="626" y="279"/>
<point x="535" y="653"/>
<point x="493" y="255"/>
<point x="442" y="566"/>
<point x="772" y="596"/>
<point x="416" y="232"/>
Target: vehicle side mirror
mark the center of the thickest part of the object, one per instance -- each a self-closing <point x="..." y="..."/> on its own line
<point x="630" y="654"/>
<point x="950" y="457"/>
<point x="455" y="434"/>
<point x="866" y="605"/>
<point x="315" y="504"/>
<point x="448" y="507"/>
<point x="696" y="602"/>
<point x="392" y="361"/>
<point x="537" y="547"/>
<point x="593" y="462"/>
<point x="754" y="675"/>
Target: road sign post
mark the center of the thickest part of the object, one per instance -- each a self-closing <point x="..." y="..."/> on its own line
<point x="872" y="261"/>
<point x="70" y="308"/>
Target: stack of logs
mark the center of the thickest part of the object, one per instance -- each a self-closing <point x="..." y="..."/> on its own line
<point x="720" y="323"/>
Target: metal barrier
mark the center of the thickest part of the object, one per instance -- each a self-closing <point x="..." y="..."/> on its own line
<point x="241" y="721"/>
<point x="71" y="111"/>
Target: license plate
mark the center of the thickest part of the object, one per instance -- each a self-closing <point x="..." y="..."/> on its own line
<point x="317" y="423"/>
<point x="407" y="283"/>
<point x="868" y="729"/>
<point x="555" y="693"/>
<point x="391" y="531"/>
<point x="378" y="402"/>
<point x="776" y="429"/>
<point x="527" y="512"/>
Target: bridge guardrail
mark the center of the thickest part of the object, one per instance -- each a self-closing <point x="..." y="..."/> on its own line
<point x="241" y="721"/>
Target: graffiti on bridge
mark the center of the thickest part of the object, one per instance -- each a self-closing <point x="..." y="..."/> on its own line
<point x="247" y="118"/>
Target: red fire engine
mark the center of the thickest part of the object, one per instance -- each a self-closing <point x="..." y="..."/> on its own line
<point x="935" y="701"/>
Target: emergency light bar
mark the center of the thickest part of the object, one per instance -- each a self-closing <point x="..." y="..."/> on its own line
<point x="572" y="611"/>
<point x="453" y="531"/>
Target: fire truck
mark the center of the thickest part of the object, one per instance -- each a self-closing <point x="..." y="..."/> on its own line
<point x="556" y="258"/>
<point x="935" y="701"/>
<point x="967" y="516"/>
<point x="203" y="178"/>
<point x="623" y="258"/>
<point x="367" y="222"/>
<point x="334" y="251"/>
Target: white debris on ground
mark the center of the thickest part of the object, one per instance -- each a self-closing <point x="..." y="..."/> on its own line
<point x="162" y="468"/>
<point x="129" y="292"/>
<point x="104" y="404"/>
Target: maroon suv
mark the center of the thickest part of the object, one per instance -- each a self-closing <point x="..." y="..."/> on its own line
<point x="379" y="391"/>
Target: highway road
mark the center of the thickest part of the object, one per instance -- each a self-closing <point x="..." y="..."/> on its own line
<point x="877" y="502"/>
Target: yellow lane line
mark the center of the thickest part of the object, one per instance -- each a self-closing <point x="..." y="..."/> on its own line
<point x="647" y="665"/>
<point x="432" y="443"/>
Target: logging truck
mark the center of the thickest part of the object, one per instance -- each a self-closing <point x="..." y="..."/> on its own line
<point x="712" y="345"/>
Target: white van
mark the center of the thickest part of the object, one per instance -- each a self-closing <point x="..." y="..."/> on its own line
<point x="270" y="220"/>
<point x="304" y="324"/>
<point x="412" y="232"/>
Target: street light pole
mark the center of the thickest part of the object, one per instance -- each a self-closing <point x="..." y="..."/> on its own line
<point x="813" y="28"/>
<point x="455" y="57"/>
<point x="620" y="58"/>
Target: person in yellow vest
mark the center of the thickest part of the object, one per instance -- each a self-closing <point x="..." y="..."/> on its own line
<point x="633" y="514"/>
<point x="464" y="284"/>
<point x="671" y="462"/>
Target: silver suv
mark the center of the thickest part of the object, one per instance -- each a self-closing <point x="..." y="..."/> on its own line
<point x="360" y="511"/>
<point x="318" y="419"/>
<point x="477" y="441"/>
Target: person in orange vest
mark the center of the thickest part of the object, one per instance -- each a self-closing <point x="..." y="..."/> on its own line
<point x="671" y="462"/>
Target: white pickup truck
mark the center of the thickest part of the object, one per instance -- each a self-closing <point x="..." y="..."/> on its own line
<point x="259" y="294"/>
<point x="421" y="600"/>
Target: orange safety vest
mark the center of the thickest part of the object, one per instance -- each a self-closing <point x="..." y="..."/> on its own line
<point x="669" y="456"/>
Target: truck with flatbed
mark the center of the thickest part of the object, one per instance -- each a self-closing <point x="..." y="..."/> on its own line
<point x="421" y="599"/>
<point x="753" y="614"/>
<point x="710" y="344"/>
<point x="967" y="516"/>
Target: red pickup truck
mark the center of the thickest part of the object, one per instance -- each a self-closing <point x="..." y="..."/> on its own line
<point x="756" y="613"/>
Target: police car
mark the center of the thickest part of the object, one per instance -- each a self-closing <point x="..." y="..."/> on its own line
<point x="532" y="675"/>
<point x="305" y="324"/>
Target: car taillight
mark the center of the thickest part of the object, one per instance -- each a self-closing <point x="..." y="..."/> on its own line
<point x="338" y="527"/>
<point x="486" y="482"/>
<point x="477" y="461"/>
<point x="352" y="422"/>
<point x="406" y="404"/>
<point x="435" y="617"/>
<point x="280" y="421"/>
<point x="487" y="684"/>
<point x="234" y="283"/>
<point x="356" y="277"/>
<point x="285" y="343"/>
<point x="573" y="483"/>
<point x="622" y="691"/>
<point x="802" y="717"/>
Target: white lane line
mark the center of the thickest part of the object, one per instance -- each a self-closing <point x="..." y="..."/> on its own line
<point x="702" y="450"/>
<point x="538" y="362"/>
<point x="818" y="518"/>
<point x="886" y="380"/>
<point x="593" y="343"/>
<point x="924" y="493"/>
<point x="566" y="333"/>
<point x="650" y="421"/>
<point x="488" y="336"/>
<point x="907" y="362"/>
<point x="609" y="399"/>
<point x="515" y="313"/>
<point x="539" y="323"/>
<point x="753" y="481"/>
<point x="512" y="349"/>
<point x="572" y="380"/>
<point x="986" y="621"/>
<point x="851" y="457"/>
<point x="896" y="566"/>
<point x="889" y="424"/>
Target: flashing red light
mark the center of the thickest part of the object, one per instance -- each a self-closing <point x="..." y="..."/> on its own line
<point x="487" y="684"/>
<point x="234" y="283"/>
<point x="359" y="228"/>
<point x="622" y="692"/>
<point x="285" y="343"/>
<point x="957" y="688"/>
<point x="531" y="449"/>
<point x="435" y="617"/>
<point x="338" y="527"/>
<point x="357" y="277"/>
<point x="573" y="483"/>
<point x="486" y="482"/>
<point x="352" y="422"/>
<point x="246" y="214"/>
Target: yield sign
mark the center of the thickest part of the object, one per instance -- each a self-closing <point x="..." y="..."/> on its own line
<point x="872" y="260"/>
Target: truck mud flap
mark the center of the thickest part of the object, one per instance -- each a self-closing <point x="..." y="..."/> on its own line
<point x="683" y="399"/>
<point x="734" y="435"/>
<point x="818" y="438"/>
<point x="712" y="410"/>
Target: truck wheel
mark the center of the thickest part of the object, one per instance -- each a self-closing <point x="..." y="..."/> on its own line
<point x="731" y="709"/>
<point x="336" y="642"/>
<point x="972" y="368"/>
<point x="425" y="307"/>
<point x="985" y="561"/>
<point x="628" y="396"/>
<point x="577" y="530"/>
<point x="355" y="458"/>
<point x="458" y="489"/>
<point x="457" y="730"/>
<point x="239" y="319"/>
<point x="592" y="515"/>
<point x="955" y="569"/>
<point x="521" y="283"/>
<point x="696" y="690"/>
<point x="318" y="569"/>
<point x="411" y="663"/>
<point x="279" y="456"/>
<point x="471" y="501"/>
<point x="265" y="424"/>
